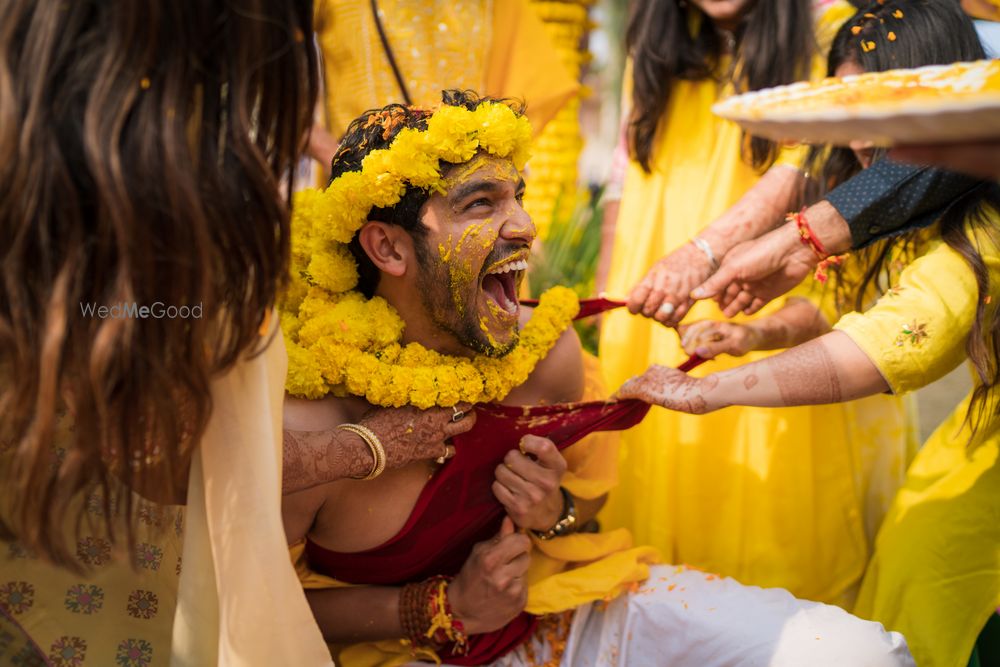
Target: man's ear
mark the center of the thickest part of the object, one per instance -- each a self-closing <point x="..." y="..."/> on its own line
<point x="388" y="246"/>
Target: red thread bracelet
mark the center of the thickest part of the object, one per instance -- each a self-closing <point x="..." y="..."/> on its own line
<point x="806" y="234"/>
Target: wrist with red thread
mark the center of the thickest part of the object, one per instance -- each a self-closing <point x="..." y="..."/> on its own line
<point x="806" y="235"/>
<point x="427" y="618"/>
<point x="808" y="238"/>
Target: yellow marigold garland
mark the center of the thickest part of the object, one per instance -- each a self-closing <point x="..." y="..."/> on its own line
<point x="339" y="342"/>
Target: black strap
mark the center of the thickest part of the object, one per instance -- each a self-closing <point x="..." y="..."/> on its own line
<point x="388" y="54"/>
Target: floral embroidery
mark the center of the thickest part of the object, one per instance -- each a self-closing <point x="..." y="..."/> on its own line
<point x="17" y="596"/>
<point x="95" y="503"/>
<point x="179" y="523"/>
<point x="178" y="568"/>
<point x="93" y="550"/>
<point x="84" y="599"/>
<point x="915" y="333"/>
<point x="68" y="652"/>
<point x="134" y="653"/>
<point x="18" y="550"/>
<point x="142" y="604"/>
<point x="28" y="657"/>
<point x="151" y="516"/>
<point x="148" y="556"/>
<point x="6" y="639"/>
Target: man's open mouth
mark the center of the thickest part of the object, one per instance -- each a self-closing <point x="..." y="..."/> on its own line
<point x="502" y="281"/>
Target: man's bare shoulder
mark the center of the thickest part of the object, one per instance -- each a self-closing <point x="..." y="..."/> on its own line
<point x="321" y="414"/>
<point x="558" y="378"/>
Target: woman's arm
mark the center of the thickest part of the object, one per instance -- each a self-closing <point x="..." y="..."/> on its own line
<point x="796" y="322"/>
<point x="830" y="369"/>
<point x="311" y="457"/>
<point x="672" y="278"/>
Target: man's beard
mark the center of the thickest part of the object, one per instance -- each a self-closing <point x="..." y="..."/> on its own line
<point x="461" y="322"/>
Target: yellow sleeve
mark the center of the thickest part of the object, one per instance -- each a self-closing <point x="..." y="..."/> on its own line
<point x="916" y="332"/>
<point x="524" y="64"/>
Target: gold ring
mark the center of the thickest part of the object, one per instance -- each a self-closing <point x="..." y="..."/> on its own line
<point x="448" y="453"/>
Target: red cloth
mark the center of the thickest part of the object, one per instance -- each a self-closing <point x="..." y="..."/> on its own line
<point x="588" y="307"/>
<point x="456" y="508"/>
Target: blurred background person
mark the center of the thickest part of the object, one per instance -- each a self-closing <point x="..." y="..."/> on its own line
<point x="773" y="498"/>
<point x="935" y="574"/>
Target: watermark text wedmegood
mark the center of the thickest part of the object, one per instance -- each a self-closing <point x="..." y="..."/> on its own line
<point x="156" y="310"/>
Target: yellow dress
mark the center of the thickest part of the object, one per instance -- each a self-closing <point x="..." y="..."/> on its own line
<point x="203" y="579"/>
<point x="935" y="575"/>
<point x="495" y="47"/>
<point x="769" y="497"/>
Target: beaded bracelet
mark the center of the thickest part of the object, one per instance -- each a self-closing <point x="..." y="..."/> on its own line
<point x="413" y="612"/>
<point x="427" y="617"/>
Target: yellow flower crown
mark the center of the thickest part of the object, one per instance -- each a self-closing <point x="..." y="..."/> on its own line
<point x="338" y="341"/>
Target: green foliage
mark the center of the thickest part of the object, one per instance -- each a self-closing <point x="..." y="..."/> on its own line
<point x="568" y="256"/>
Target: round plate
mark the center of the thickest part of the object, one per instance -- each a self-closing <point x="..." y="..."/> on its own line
<point x="939" y="103"/>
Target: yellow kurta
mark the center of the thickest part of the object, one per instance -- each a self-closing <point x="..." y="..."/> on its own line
<point x="935" y="575"/>
<point x="769" y="497"/>
<point x="495" y="47"/>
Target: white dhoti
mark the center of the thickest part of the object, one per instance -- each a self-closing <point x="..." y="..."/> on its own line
<point x="687" y="618"/>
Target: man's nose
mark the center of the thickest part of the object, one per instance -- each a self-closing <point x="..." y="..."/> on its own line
<point x="519" y="226"/>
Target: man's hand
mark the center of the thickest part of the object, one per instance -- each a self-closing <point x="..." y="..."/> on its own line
<point x="664" y="294"/>
<point x="527" y="483"/>
<point x="671" y="389"/>
<point x="710" y="338"/>
<point x="410" y="434"/>
<point x="489" y="591"/>
<point x="755" y="272"/>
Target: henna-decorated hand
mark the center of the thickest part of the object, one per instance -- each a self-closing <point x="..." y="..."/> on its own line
<point x="527" y="483"/>
<point x="664" y="294"/>
<point x="671" y="389"/>
<point x="755" y="272"/>
<point x="410" y="434"/>
<point x="710" y="338"/>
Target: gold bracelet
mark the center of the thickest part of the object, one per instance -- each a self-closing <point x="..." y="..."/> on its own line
<point x="374" y="444"/>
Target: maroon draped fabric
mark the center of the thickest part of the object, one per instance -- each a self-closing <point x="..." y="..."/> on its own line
<point x="588" y="307"/>
<point x="456" y="509"/>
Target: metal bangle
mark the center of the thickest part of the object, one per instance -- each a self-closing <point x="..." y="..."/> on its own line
<point x="374" y="444"/>
<point x="702" y="244"/>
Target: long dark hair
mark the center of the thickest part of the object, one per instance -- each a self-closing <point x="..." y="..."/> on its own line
<point x="905" y="34"/>
<point x="144" y="144"/>
<point x="774" y="46"/>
